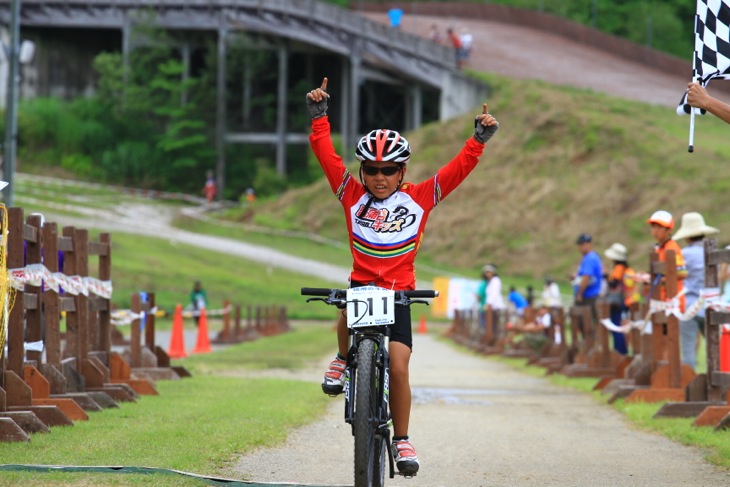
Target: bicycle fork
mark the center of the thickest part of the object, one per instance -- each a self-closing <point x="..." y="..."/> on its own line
<point x="382" y="420"/>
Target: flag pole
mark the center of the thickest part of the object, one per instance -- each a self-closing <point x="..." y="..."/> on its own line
<point x="691" y="145"/>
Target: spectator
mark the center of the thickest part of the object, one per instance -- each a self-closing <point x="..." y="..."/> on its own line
<point x="693" y="230"/>
<point x="587" y="279"/>
<point x="250" y="196"/>
<point x="466" y="40"/>
<point x="198" y="300"/>
<point x="456" y="43"/>
<point x="395" y="15"/>
<point x="209" y="189"/>
<point x="697" y="96"/>
<point x="620" y="294"/>
<point x="529" y="295"/>
<point x="551" y="294"/>
<point x="490" y="294"/>
<point x="662" y="223"/>
<point x="435" y="34"/>
<point x="518" y="301"/>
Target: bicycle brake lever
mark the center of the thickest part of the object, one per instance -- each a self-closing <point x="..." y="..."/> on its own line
<point x="324" y="300"/>
<point x="416" y="301"/>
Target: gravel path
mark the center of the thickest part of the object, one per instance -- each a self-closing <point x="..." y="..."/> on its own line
<point x="476" y="422"/>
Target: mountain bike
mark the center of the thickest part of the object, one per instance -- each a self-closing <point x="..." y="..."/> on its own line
<point x="370" y="312"/>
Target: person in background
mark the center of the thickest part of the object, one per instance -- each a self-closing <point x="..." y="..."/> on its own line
<point x="456" y="44"/>
<point x="661" y="223"/>
<point x="551" y="294"/>
<point x="587" y="279"/>
<point x="693" y="230"/>
<point x="209" y="189"/>
<point x="435" y="34"/>
<point x="467" y="41"/>
<point x="530" y="295"/>
<point x="620" y="293"/>
<point x="518" y="301"/>
<point x="396" y="16"/>
<point x="198" y="299"/>
<point x="490" y="294"/>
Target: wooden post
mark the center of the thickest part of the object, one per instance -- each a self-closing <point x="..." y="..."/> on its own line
<point x="50" y="298"/>
<point x="135" y="339"/>
<point x="16" y="328"/>
<point x="32" y="301"/>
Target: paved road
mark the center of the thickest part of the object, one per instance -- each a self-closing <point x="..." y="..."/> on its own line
<point x="479" y="423"/>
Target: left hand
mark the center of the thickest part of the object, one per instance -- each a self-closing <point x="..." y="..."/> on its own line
<point x="485" y="125"/>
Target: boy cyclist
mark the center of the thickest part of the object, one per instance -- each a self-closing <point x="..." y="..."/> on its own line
<point x="385" y="219"/>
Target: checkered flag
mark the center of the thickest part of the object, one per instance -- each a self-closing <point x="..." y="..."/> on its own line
<point x="712" y="46"/>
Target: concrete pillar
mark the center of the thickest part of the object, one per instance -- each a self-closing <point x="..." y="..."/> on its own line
<point x="281" y="110"/>
<point x="414" y="106"/>
<point x="355" y="78"/>
<point x="220" y="119"/>
<point x="346" y="114"/>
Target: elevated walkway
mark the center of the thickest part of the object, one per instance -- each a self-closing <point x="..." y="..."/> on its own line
<point x="367" y="52"/>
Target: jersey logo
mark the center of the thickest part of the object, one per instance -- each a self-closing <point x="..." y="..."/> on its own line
<point x="383" y="221"/>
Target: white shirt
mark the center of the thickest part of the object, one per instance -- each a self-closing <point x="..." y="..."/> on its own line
<point x="494" y="293"/>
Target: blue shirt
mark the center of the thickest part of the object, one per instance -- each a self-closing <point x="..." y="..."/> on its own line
<point x="517" y="299"/>
<point x="694" y="259"/>
<point x="395" y="15"/>
<point x="590" y="266"/>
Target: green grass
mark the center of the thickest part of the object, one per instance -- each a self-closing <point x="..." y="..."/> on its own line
<point x="199" y="425"/>
<point x="308" y="341"/>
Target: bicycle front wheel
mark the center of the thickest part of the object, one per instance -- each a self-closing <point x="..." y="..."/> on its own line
<point x="369" y="444"/>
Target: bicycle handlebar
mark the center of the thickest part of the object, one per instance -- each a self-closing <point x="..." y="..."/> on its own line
<point x="316" y="291"/>
<point x="337" y="296"/>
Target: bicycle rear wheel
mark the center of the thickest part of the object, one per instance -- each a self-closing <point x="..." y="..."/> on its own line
<point x="370" y="446"/>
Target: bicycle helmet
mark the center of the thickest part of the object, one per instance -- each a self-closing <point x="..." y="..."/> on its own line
<point x="383" y="145"/>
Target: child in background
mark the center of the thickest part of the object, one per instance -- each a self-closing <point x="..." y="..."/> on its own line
<point x="662" y="224"/>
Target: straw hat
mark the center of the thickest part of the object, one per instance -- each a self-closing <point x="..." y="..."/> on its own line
<point x="693" y="225"/>
<point x="489" y="268"/>
<point x="617" y="252"/>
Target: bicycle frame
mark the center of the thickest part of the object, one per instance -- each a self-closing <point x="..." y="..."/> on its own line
<point x="380" y="336"/>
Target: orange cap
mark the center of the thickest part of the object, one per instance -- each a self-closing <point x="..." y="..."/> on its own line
<point x="663" y="218"/>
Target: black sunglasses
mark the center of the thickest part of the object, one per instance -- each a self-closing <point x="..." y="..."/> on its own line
<point x="374" y="170"/>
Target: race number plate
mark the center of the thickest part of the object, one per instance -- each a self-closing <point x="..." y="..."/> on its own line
<point x="370" y="306"/>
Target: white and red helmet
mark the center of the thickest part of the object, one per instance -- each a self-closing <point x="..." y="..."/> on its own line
<point x="383" y="145"/>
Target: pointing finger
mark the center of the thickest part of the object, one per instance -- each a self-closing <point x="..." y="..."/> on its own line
<point x="324" y="84"/>
<point x="484" y="109"/>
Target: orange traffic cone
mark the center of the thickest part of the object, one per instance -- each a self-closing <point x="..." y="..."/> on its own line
<point x="177" y="339"/>
<point x="422" y="325"/>
<point x="203" y="344"/>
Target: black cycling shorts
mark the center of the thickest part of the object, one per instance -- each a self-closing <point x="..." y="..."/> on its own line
<point x="400" y="331"/>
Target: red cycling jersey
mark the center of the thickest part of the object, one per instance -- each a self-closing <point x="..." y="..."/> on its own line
<point x="385" y="240"/>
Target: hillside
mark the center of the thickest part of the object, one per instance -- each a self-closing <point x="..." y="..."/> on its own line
<point x="565" y="161"/>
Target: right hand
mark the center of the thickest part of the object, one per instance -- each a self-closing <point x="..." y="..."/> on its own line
<point x="697" y="95"/>
<point x="317" y="101"/>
